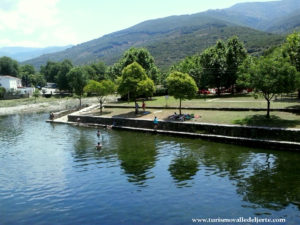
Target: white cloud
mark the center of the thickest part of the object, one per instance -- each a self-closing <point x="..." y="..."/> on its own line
<point x="32" y="22"/>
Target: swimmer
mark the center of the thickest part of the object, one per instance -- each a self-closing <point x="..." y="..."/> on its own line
<point x="98" y="133"/>
<point x="99" y="146"/>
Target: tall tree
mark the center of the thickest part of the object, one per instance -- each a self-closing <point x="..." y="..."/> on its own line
<point x="50" y="71"/>
<point x="100" y="89"/>
<point x="9" y="66"/>
<point x="213" y="61"/>
<point x="135" y="82"/>
<point x="191" y="65"/>
<point x="293" y="48"/>
<point x="61" y="77"/>
<point x="78" y="80"/>
<point x="143" y="57"/>
<point x="235" y="55"/>
<point x="269" y="76"/>
<point x="181" y="86"/>
<point x="26" y="74"/>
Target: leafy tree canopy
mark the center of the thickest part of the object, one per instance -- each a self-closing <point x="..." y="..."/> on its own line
<point x="181" y="86"/>
<point x="78" y="79"/>
<point x="269" y="76"/>
<point x="143" y="57"/>
<point x="135" y="82"/>
<point x="100" y="89"/>
<point x="9" y="66"/>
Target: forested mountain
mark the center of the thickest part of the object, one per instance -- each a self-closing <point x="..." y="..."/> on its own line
<point x="172" y="38"/>
<point x="24" y="53"/>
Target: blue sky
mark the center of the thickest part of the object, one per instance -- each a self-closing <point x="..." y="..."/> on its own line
<point x="41" y="23"/>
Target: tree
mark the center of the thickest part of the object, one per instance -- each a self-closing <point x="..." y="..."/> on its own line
<point x="142" y="57"/>
<point x="9" y="66"/>
<point x="135" y="82"/>
<point x="36" y="94"/>
<point x="191" y="65"/>
<point x="77" y="80"/>
<point x="37" y="80"/>
<point x="2" y="92"/>
<point x="181" y="86"/>
<point x="293" y="48"/>
<point x="50" y="71"/>
<point x="269" y="76"/>
<point x="26" y="74"/>
<point x="100" y="89"/>
<point x="213" y="61"/>
<point x="61" y="77"/>
<point x="235" y="55"/>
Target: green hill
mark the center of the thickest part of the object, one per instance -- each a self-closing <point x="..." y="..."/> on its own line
<point x="168" y="40"/>
<point x="286" y="24"/>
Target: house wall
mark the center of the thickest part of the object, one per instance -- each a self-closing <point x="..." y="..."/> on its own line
<point x="9" y="83"/>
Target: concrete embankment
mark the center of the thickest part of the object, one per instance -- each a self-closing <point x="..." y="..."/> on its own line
<point x="264" y="137"/>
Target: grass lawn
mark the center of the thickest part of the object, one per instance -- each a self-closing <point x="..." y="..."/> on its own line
<point x="238" y="101"/>
<point x="278" y="119"/>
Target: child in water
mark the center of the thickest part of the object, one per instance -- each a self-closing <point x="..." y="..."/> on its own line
<point x="98" y="133"/>
<point x="99" y="146"/>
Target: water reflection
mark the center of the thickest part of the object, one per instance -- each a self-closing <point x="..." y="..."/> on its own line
<point x="49" y="172"/>
<point x="137" y="156"/>
<point x="274" y="183"/>
<point x="10" y="128"/>
<point x="183" y="168"/>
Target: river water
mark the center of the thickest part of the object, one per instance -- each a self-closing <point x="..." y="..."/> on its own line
<point x="53" y="174"/>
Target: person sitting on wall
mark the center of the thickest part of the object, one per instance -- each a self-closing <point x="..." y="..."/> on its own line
<point x="51" y="116"/>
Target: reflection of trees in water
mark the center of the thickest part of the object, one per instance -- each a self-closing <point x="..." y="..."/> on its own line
<point x="137" y="156"/>
<point x="11" y="127"/>
<point x="269" y="180"/>
<point x="183" y="168"/>
<point x="273" y="186"/>
<point x="81" y="144"/>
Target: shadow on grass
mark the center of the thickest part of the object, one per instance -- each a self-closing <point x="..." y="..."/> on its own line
<point x="131" y="115"/>
<point x="202" y="96"/>
<point x="262" y="120"/>
<point x="296" y="108"/>
<point x="97" y="113"/>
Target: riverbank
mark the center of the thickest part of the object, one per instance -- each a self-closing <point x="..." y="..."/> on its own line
<point x="49" y="105"/>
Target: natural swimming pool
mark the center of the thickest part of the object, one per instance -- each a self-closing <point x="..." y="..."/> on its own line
<point x="53" y="174"/>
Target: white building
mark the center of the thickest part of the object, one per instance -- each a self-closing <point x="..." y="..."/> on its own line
<point x="10" y="83"/>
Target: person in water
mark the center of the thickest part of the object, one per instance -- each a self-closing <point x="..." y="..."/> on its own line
<point x="98" y="133"/>
<point x="99" y="146"/>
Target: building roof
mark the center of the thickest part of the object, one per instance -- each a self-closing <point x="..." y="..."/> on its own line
<point x="8" y="76"/>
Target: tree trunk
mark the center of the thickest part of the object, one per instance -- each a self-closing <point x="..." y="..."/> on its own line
<point x="101" y="107"/>
<point x="180" y="106"/>
<point x="136" y="108"/>
<point x="268" y="110"/>
<point x="80" y="102"/>
<point x="219" y="91"/>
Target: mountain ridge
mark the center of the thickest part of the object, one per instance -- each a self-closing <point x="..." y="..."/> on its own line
<point x="165" y="36"/>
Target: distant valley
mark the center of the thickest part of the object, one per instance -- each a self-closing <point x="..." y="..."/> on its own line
<point x="25" y="53"/>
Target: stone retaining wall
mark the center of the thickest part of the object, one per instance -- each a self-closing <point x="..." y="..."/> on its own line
<point x="279" y="134"/>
